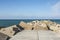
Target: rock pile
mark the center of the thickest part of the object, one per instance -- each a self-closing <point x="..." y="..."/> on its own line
<point x="34" y="25"/>
<point x="10" y="31"/>
<point x="41" y="25"/>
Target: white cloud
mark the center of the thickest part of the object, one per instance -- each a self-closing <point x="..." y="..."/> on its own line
<point x="56" y="9"/>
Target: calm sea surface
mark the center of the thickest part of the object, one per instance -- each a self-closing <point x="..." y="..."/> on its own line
<point x="6" y="23"/>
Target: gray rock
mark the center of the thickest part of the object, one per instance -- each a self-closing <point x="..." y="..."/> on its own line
<point x="3" y="36"/>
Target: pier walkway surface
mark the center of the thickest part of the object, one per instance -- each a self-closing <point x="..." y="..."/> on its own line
<point x="36" y="35"/>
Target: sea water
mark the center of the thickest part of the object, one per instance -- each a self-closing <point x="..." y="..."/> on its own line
<point x="6" y="22"/>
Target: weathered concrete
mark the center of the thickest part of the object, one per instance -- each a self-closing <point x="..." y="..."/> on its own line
<point x="47" y="35"/>
<point x="36" y="35"/>
<point x="25" y="35"/>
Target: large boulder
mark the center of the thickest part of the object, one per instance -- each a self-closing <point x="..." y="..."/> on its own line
<point x="25" y="26"/>
<point x="55" y="27"/>
<point x="40" y="26"/>
<point x="51" y="26"/>
<point x="8" y="31"/>
<point x="58" y="28"/>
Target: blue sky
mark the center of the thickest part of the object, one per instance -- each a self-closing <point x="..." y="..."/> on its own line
<point x="29" y="9"/>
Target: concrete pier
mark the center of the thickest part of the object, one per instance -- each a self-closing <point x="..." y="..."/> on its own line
<point x="36" y="35"/>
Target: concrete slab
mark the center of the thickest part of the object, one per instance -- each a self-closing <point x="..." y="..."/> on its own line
<point x="35" y="35"/>
<point x="46" y="35"/>
<point x="26" y="35"/>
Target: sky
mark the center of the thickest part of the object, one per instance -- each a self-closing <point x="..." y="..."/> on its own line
<point x="29" y="9"/>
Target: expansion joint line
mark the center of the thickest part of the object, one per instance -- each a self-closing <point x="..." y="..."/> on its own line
<point x="37" y="35"/>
